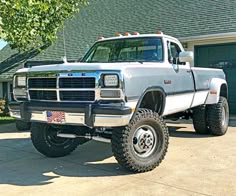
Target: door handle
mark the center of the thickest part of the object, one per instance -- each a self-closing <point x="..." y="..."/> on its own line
<point x="189" y="71"/>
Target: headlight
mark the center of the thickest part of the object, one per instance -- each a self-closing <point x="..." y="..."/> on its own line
<point x="111" y="80"/>
<point x="20" y="81"/>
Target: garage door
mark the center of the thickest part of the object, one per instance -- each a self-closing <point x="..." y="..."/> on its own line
<point x="220" y="56"/>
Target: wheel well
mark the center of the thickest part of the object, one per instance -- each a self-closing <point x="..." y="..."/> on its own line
<point x="224" y="91"/>
<point x="153" y="100"/>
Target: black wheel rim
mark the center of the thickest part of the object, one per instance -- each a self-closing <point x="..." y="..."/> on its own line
<point x="52" y="138"/>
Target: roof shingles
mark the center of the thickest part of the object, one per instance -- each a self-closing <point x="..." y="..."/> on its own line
<point x="179" y="18"/>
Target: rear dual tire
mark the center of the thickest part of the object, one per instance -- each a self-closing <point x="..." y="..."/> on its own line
<point x="218" y="117"/>
<point x="200" y="120"/>
<point x="212" y="118"/>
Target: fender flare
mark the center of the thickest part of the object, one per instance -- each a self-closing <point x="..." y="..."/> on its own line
<point x="150" y="89"/>
<point x="214" y="91"/>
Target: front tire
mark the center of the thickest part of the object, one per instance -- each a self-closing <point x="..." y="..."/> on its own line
<point x="142" y="145"/>
<point x="218" y="117"/>
<point x="45" y="140"/>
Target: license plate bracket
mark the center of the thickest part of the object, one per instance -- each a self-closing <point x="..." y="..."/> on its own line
<point x="55" y="117"/>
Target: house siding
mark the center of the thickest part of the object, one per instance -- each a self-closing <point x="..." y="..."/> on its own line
<point x="192" y="44"/>
<point x="222" y="40"/>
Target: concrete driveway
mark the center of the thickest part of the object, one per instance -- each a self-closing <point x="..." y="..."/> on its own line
<point x="194" y="165"/>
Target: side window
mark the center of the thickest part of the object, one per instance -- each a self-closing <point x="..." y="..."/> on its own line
<point x="173" y="53"/>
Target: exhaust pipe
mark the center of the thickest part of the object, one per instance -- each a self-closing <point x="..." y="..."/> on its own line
<point x="101" y="139"/>
<point x="95" y="138"/>
<point x="65" y="135"/>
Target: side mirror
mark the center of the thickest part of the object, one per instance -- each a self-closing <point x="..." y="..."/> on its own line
<point x="185" y="57"/>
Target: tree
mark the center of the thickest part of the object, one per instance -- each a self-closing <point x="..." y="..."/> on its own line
<point x="27" y="24"/>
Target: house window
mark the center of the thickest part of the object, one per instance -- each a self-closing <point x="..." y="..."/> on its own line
<point x="1" y="90"/>
<point x="4" y="90"/>
<point x="11" y="97"/>
<point x="8" y="91"/>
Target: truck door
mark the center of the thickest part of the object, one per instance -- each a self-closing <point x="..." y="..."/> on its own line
<point x="181" y="89"/>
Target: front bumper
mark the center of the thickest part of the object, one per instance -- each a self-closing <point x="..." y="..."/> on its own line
<point x="92" y="115"/>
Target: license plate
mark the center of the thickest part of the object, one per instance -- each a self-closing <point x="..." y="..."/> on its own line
<point x="55" y="117"/>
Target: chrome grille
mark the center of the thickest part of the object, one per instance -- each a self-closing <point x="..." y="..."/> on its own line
<point x="77" y="82"/>
<point x="62" y="89"/>
<point x="77" y="95"/>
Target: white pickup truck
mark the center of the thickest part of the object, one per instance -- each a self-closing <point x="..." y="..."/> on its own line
<point x="121" y="91"/>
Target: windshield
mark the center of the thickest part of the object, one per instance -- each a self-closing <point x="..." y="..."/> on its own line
<point x="148" y="49"/>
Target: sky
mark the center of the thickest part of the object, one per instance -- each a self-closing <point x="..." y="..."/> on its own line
<point x="2" y="44"/>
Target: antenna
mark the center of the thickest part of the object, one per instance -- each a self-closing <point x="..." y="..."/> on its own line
<point x="64" y="45"/>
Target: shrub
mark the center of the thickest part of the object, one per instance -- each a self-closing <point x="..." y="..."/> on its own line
<point x="3" y="108"/>
<point x="2" y="105"/>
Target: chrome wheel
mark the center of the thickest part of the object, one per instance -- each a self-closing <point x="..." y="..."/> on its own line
<point x="144" y="140"/>
<point x="223" y="116"/>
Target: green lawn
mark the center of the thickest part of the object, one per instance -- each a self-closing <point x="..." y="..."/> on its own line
<point x="6" y="119"/>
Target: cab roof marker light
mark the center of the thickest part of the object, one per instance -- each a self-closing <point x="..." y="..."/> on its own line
<point x="100" y="38"/>
<point x="119" y="35"/>
<point x="127" y="34"/>
<point x="136" y="33"/>
<point x="159" y="32"/>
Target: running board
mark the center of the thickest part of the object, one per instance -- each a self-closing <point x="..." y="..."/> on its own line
<point x="73" y="136"/>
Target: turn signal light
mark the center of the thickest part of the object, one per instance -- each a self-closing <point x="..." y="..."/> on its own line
<point x="100" y="38"/>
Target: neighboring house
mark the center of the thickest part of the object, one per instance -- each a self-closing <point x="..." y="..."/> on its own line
<point x="206" y="27"/>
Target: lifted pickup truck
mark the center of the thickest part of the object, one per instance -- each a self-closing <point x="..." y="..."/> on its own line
<point x="121" y="91"/>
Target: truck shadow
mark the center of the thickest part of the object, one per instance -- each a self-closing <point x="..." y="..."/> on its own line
<point x="232" y="123"/>
<point x="175" y="132"/>
<point x="22" y="165"/>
